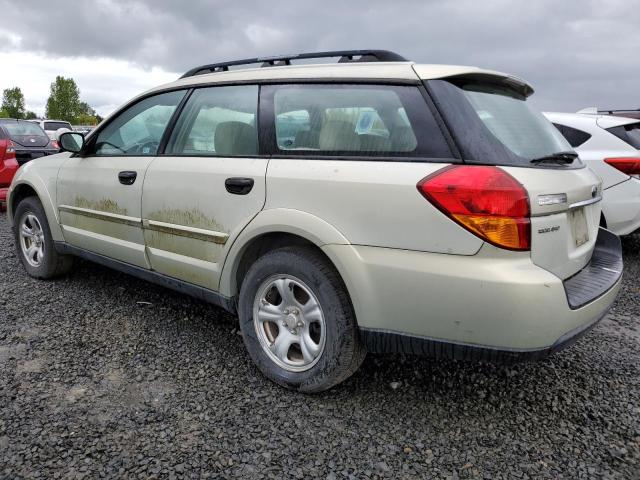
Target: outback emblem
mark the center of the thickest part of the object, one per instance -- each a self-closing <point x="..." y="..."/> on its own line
<point x="594" y="191"/>
<point x="549" y="229"/>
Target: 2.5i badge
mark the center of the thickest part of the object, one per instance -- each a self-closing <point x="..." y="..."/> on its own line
<point x="549" y="229"/>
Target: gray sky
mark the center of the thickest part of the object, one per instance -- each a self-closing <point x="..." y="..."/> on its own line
<point x="576" y="53"/>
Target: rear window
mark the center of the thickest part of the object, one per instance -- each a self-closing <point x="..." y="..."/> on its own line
<point x="521" y="129"/>
<point x="494" y="124"/>
<point x="16" y="129"/>
<point x="56" y="125"/>
<point x="628" y="133"/>
<point x="355" y="120"/>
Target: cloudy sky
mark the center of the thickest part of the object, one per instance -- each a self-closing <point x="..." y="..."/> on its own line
<point x="576" y="53"/>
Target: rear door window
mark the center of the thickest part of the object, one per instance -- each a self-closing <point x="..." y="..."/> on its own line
<point x="217" y="121"/>
<point x="354" y="120"/>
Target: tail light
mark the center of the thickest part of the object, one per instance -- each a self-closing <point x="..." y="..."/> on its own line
<point x="485" y="200"/>
<point x="9" y="151"/>
<point x="628" y="165"/>
<point x="55" y="144"/>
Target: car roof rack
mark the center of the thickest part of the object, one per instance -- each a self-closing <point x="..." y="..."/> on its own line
<point x="619" y="110"/>
<point x="344" y="55"/>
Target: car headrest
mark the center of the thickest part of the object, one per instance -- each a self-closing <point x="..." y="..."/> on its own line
<point x="337" y="135"/>
<point x="235" y="138"/>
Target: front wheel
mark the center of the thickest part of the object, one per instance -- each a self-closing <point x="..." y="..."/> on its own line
<point x="297" y="320"/>
<point x="34" y="242"/>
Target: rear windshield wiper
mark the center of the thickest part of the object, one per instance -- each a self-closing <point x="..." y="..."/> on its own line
<point x="560" y="158"/>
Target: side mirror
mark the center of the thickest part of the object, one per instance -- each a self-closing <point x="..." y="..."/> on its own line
<point x="71" y="142"/>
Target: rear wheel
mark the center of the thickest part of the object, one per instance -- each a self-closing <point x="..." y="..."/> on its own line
<point x="34" y="242"/>
<point x="297" y="321"/>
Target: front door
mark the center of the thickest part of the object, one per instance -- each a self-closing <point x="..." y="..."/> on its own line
<point x="207" y="186"/>
<point x="99" y="194"/>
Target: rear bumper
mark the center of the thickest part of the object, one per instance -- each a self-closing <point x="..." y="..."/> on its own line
<point x="26" y="155"/>
<point x="495" y="305"/>
<point x="392" y="342"/>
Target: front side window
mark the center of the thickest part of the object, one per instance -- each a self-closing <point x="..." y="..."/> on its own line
<point x="138" y="130"/>
<point x="218" y="121"/>
<point x="355" y="120"/>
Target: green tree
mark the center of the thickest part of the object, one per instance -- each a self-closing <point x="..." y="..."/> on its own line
<point x="29" y="115"/>
<point x="3" y="114"/>
<point x="13" y="102"/>
<point x="64" y="100"/>
<point x="85" y="119"/>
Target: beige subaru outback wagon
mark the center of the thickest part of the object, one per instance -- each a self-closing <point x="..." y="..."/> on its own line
<point x="370" y="204"/>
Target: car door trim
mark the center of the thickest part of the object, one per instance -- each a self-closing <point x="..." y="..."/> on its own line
<point x="184" y="231"/>
<point x="110" y="217"/>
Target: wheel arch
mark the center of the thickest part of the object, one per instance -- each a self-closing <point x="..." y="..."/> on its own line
<point x="272" y="229"/>
<point x="23" y="189"/>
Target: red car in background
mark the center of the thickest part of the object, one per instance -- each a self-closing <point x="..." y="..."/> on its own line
<point x="8" y="167"/>
<point x="20" y="141"/>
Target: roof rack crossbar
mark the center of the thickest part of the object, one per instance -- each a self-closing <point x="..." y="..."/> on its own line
<point x="344" y="56"/>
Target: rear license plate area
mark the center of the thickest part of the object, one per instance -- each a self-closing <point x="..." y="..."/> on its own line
<point x="578" y="221"/>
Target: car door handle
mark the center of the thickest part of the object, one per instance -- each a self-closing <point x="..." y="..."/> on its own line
<point x="238" y="185"/>
<point x="127" y="177"/>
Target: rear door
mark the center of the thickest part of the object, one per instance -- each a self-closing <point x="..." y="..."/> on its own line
<point x="206" y="187"/>
<point x="99" y="195"/>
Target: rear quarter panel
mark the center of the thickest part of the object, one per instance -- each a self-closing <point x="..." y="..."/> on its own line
<point x="372" y="203"/>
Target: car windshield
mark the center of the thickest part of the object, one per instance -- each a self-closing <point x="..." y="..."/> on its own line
<point x="520" y="128"/>
<point x="56" y="125"/>
<point x="22" y="128"/>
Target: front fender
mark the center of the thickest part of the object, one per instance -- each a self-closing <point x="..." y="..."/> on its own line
<point x="40" y="176"/>
<point x="277" y="220"/>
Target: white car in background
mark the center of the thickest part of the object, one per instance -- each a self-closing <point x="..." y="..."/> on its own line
<point x="610" y="146"/>
<point x="52" y="127"/>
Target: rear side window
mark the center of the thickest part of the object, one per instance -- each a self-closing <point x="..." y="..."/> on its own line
<point x="354" y="120"/>
<point x="574" y="136"/>
<point x="628" y="133"/>
<point x="218" y="121"/>
<point x="56" y="125"/>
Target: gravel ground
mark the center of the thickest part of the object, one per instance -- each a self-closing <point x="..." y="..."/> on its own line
<point x="104" y="375"/>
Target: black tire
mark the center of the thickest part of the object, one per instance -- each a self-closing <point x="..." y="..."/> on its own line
<point x="343" y="352"/>
<point x="53" y="264"/>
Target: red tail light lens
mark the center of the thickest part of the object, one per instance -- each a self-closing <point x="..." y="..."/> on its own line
<point x="7" y="150"/>
<point x="55" y="144"/>
<point x="628" y="165"/>
<point x="485" y="200"/>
